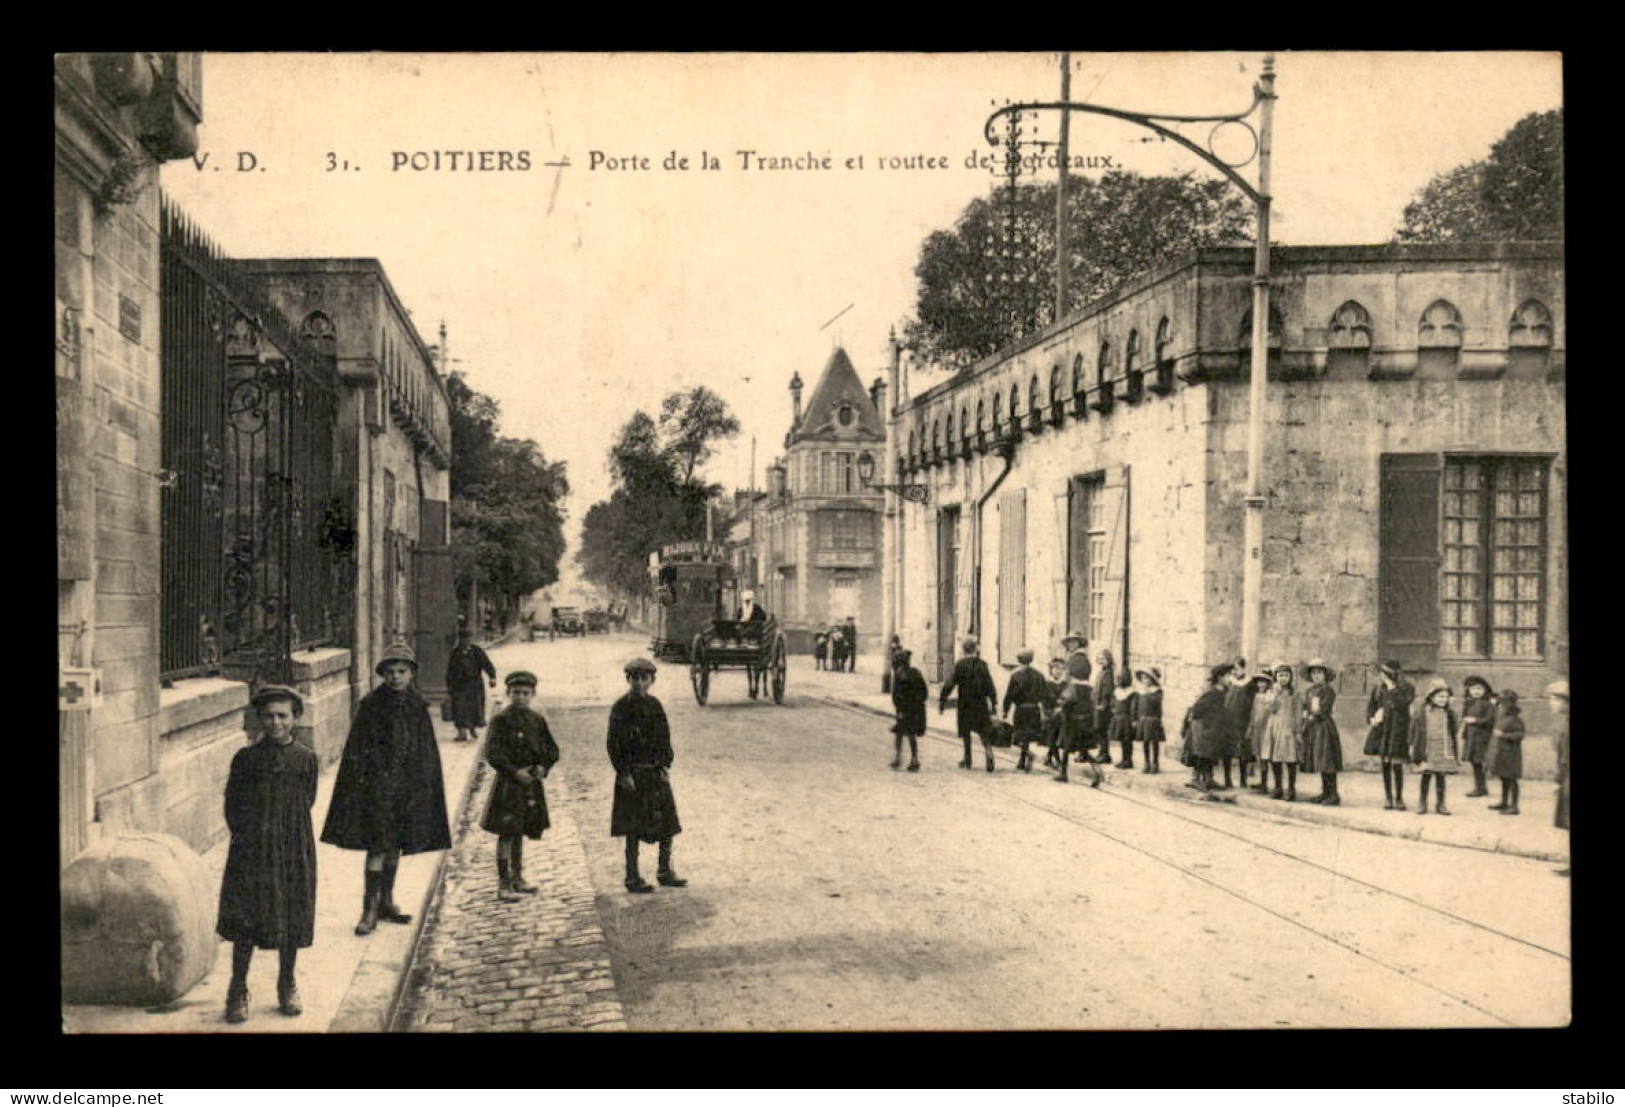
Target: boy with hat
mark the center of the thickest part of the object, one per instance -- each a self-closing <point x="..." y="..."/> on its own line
<point x="1434" y="751"/>
<point x="1506" y="750"/>
<point x="978" y="701"/>
<point x="1388" y="712"/>
<point x="908" y="696"/>
<point x="522" y="752"/>
<point x="463" y="669"/>
<point x="1079" y="670"/>
<point x="268" y="891"/>
<point x="389" y="797"/>
<point x="1028" y="692"/>
<point x="640" y="751"/>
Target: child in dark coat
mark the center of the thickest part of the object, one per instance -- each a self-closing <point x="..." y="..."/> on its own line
<point x="1434" y="742"/>
<point x="1388" y="712"/>
<point x="1203" y="730"/>
<point x="463" y="670"/>
<point x="389" y="797"/>
<point x="1029" y="693"/>
<point x="1322" y="744"/>
<point x="978" y="701"/>
<point x="820" y="650"/>
<point x="640" y="750"/>
<point x="522" y="752"/>
<point x="1477" y="720"/>
<point x="908" y="696"/>
<point x="1054" y="721"/>
<point x="1123" y="718"/>
<point x="1238" y="716"/>
<point x="268" y="892"/>
<point x="1506" y="750"/>
<point x="1147" y="707"/>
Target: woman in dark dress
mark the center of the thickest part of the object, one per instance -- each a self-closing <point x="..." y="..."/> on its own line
<point x="1477" y="720"/>
<point x="463" y="669"/>
<point x="908" y="696"/>
<point x="1322" y="745"/>
<point x="639" y="745"/>
<point x="522" y="751"/>
<point x="1388" y="711"/>
<point x="268" y="892"/>
<point x="389" y="797"/>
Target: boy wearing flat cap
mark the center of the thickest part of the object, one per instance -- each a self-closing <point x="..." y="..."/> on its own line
<point x="389" y="797"/>
<point x="640" y="750"/>
<point x="521" y="750"/>
<point x="978" y="701"/>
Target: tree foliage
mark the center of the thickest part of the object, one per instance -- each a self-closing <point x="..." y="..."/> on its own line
<point x="507" y="514"/>
<point x="659" y="496"/>
<point x="991" y="278"/>
<point x="1515" y="194"/>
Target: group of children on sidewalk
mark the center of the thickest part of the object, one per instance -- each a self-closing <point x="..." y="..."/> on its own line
<point x="1266" y="719"/>
<point x="389" y="799"/>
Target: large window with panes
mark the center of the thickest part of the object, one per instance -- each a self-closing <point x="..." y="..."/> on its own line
<point x="848" y="530"/>
<point x="1464" y="557"/>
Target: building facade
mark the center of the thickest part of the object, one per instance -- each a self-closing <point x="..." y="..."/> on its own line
<point x="1415" y="467"/>
<point x="818" y="533"/>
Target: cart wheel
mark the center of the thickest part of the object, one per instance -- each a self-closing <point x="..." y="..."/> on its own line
<point x="700" y="677"/>
<point x="779" y="668"/>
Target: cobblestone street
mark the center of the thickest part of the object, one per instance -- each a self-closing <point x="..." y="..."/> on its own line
<point x="537" y="964"/>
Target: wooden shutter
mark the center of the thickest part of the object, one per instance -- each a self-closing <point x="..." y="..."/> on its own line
<point x="1012" y="574"/>
<point x="1114" y="616"/>
<point x="1062" y="572"/>
<point x="434" y="572"/>
<point x="1408" y="560"/>
<point x="1080" y="492"/>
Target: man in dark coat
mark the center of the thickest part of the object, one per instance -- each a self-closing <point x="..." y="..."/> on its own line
<point x="978" y="701"/>
<point x="849" y="631"/>
<point x="640" y="750"/>
<point x="522" y="752"/>
<point x="749" y="610"/>
<point x="908" y="696"/>
<point x="389" y="797"/>
<point x="463" y="669"/>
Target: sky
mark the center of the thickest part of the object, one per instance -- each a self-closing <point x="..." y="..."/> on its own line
<point x="576" y="295"/>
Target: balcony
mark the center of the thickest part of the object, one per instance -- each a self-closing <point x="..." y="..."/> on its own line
<point x="1131" y="386"/>
<point x="1104" y="398"/>
<point x="1035" y="421"/>
<point x="1057" y="410"/>
<point x="1080" y="405"/>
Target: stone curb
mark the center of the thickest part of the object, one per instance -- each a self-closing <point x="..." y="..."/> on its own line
<point x="370" y="1002"/>
<point x="1309" y="813"/>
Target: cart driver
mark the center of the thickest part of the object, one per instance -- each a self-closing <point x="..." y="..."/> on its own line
<point x="749" y="610"/>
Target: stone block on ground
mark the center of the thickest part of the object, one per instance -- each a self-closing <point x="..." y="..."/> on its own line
<point x="138" y="914"/>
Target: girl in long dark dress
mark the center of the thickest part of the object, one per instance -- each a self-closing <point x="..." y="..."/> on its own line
<point x="1388" y="711"/>
<point x="1123" y="718"/>
<point x="1477" y="720"/>
<point x="1506" y="750"/>
<point x="640" y="751"/>
<point x="1105" y="690"/>
<point x="1146" y="705"/>
<point x="268" y="892"/>
<point x="522" y="751"/>
<point x="1322" y="745"/>
<point x="389" y="797"/>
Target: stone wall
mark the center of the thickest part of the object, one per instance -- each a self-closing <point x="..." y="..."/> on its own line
<point x="203" y="723"/>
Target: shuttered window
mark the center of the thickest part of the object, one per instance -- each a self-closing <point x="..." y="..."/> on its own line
<point x="1012" y="574"/>
<point x="1408" y="578"/>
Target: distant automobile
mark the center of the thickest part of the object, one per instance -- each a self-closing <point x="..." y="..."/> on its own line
<point x="596" y="620"/>
<point x="566" y="620"/>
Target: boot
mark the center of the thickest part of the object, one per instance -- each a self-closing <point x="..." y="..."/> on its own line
<point x="369" y="903"/>
<point x="237" y="1002"/>
<point x="1438" y="804"/>
<point x="1387" y="787"/>
<point x="1512" y="807"/>
<point x="1332" y="798"/>
<point x="665" y="873"/>
<point x="504" y="875"/>
<point x="1263" y="785"/>
<point x="634" y="881"/>
<point x="1505" y="792"/>
<point x="1422" y="807"/>
<point x="1227" y="785"/>
<point x="1399" y="787"/>
<point x="516" y="878"/>
<point x="387" y="911"/>
<point x="1275" y="766"/>
<point x="1292" y="783"/>
<point x="965" y="761"/>
<point x="1478" y="781"/>
<point x="1128" y="755"/>
<point x="287" y="991"/>
<point x="914" y="764"/>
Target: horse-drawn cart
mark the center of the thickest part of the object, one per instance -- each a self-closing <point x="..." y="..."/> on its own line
<point x="758" y="649"/>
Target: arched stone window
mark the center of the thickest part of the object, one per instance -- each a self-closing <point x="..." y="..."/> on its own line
<point x="1034" y="402"/>
<point x="1348" y="338"/>
<point x="318" y="335"/>
<point x="936" y="437"/>
<point x="1057" y="411"/>
<point x="1244" y="338"/>
<point x="1078" y="385"/>
<point x="1131" y="352"/>
<point x="1015" y="403"/>
<point x="1438" y="338"/>
<point x="1529" y="341"/>
<point x="948" y="433"/>
<point x="981" y="422"/>
<point x="1165" y="339"/>
<point x="1104" y="372"/>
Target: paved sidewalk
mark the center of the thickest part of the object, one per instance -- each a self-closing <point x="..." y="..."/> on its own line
<point x="1471" y="825"/>
<point x="348" y="983"/>
<point x="538" y="963"/>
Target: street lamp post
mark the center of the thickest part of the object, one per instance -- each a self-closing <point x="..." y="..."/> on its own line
<point x="915" y="493"/>
<point x="1252" y="580"/>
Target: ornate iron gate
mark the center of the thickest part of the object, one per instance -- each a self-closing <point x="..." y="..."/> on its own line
<point x="256" y="547"/>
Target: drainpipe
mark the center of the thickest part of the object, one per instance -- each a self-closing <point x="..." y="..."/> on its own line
<point x="1007" y="450"/>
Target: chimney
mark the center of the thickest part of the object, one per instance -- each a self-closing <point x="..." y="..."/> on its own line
<point x="795" y="397"/>
<point x="877" y="393"/>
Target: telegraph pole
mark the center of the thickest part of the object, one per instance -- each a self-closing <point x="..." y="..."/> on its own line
<point x="1061" y="252"/>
